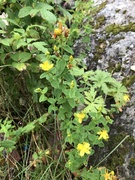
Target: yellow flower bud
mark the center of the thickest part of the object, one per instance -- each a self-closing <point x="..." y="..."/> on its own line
<point x="71" y="58"/>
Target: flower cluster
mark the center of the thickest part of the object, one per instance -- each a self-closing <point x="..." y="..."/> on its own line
<point x="46" y="66"/>
<point x="60" y="30"/>
<point x="83" y="148"/>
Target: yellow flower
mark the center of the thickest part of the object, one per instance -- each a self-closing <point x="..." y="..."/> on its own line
<point x="57" y="31"/>
<point x="80" y="117"/>
<point x="126" y="98"/>
<point x="103" y="135"/>
<point x="83" y="148"/>
<point x="72" y="85"/>
<point x="109" y="176"/>
<point x="46" y="66"/>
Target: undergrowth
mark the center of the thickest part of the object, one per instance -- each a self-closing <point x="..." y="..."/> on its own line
<point x="54" y="112"/>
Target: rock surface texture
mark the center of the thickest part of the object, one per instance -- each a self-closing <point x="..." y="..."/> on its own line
<point x="113" y="50"/>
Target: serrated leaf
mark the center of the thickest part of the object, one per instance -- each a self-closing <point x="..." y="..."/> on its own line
<point x="19" y="66"/>
<point x="48" y="16"/>
<point x="25" y="11"/>
<point x="68" y="49"/>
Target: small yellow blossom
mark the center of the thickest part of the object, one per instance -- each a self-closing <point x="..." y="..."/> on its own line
<point x="126" y="98"/>
<point x="72" y="84"/>
<point x="38" y="90"/>
<point x="71" y="58"/>
<point x="47" y="151"/>
<point x="103" y="135"/>
<point x="57" y="31"/>
<point x="83" y="148"/>
<point x="109" y="176"/>
<point x="55" y="48"/>
<point x="47" y="53"/>
<point x="46" y="66"/>
<point x="80" y="116"/>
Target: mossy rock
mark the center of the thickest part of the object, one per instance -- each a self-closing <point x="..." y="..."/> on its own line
<point x="117" y="158"/>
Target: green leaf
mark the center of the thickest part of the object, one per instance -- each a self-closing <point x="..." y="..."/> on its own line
<point x="42" y="98"/>
<point x="21" y="56"/>
<point x="7" y="143"/>
<point x="29" y="40"/>
<point x="60" y="66"/>
<point x="55" y="83"/>
<point x="72" y="102"/>
<point x="75" y="71"/>
<point x="52" y="108"/>
<point x="25" y="11"/>
<point x="71" y="93"/>
<point x="2" y="32"/>
<point x="43" y="75"/>
<point x="6" y="42"/>
<point x="48" y="16"/>
<point x="42" y="119"/>
<point x="68" y="49"/>
<point x="2" y="24"/>
<point x="13" y="22"/>
<point x="51" y="100"/>
<point x="21" y="43"/>
<point x="29" y="127"/>
<point x="33" y="33"/>
<point x="33" y="12"/>
<point x="40" y="46"/>
<point x="19" y="66"/>
<point x="44" y="6"/>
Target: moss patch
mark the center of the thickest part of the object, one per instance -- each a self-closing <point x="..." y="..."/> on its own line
<point x="129" y="80"/>
<point x="132" y="162"/>
<point x="99" y="21"/>
<point x="115" y="28"/>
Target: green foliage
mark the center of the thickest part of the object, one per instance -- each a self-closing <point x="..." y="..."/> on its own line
<point x="38" y="70"/>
